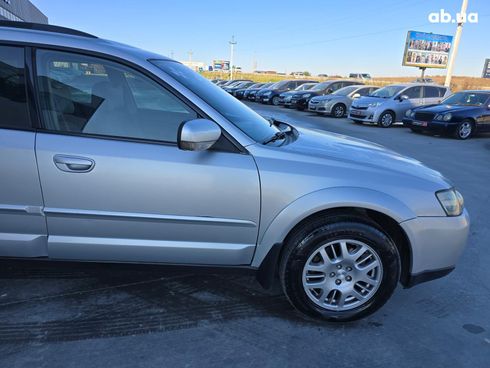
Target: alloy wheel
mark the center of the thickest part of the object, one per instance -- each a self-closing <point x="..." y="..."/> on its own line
<point x="342" y="274"/>
<point x="339" y="111"/>
<point x="386" y="119"/>
<point x="465" y="129"/>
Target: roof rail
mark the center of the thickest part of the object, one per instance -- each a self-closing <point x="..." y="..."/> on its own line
<point x="44" y="28"/>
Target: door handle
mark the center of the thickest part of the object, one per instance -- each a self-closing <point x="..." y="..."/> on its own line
<point x="73" y="164"/>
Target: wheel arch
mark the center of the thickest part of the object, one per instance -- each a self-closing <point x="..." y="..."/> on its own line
<point x="387" y="212"/>
<point x="388" y="110"/>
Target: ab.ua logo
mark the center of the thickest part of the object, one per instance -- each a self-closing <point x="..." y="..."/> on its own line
<point x="444" y="17"/>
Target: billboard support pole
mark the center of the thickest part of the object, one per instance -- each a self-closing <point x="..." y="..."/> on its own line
<point x="457" y="36"/>
<point x="422" y="74"/>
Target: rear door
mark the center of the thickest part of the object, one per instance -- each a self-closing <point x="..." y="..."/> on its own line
<point x="22" y="226"/>
<point x="117" y="187"/>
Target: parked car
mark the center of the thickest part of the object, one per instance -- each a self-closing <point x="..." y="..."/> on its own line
<point x="250" y="94"/>
<point x="285" y="97"/>
<point x="222" y="82"/>
<point x="424" y="80"/>
<point x="300" y="100"/>
<point x="462" y="115"/>
<point x="360" y="76"/>
<point x="233" y="81"/>
<point x="155" y="164"/>
<point x="240" y="85"/>
<point x="260" y="92"/>
<point x="339" y="102"/>
<point x="389" y="104"/>
<point x="216" y="81"/>
<point x="239" y="93"/>
<point x="271" y="96"/>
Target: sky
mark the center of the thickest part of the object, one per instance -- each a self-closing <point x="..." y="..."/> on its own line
<point x="334" y="37"/>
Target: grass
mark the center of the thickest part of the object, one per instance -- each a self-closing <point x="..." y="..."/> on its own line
<point x="458" y="83"/>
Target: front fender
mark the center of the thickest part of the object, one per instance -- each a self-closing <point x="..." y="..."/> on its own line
<point x="325" y="199"/>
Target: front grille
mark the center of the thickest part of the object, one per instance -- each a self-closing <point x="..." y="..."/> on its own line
<point x="424" y="116"/>
<point x="313" y="102"/>
<point x="360" y="107"/>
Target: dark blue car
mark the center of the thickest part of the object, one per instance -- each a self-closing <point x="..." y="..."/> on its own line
<point x="462" y="115"/>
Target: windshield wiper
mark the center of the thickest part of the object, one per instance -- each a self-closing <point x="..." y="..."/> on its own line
<point x="278" y="135"/>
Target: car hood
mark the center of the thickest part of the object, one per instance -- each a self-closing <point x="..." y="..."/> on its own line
<point x="366" y="100"/>
<point x="320" y="145"/>
<point x="443" y="108"/>
<point x="327" y="97"/>
<point x="301" y="93"/>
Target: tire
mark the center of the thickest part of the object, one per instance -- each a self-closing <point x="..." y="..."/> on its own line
<point x="275" y="101"/>
<point x="305" y="245"/>
<point x="464" y="130"/>
<point x="386" y="119"/>
<point x="338" y="110"/>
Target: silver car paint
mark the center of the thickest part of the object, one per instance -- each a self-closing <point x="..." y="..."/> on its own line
<point x="155" y="203"/>
<point x="329" y="101"/>
<point x="393" y="104"/>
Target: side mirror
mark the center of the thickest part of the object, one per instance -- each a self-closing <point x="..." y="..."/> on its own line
<point x="198" y="135"/>
<point x="356" y="95"/>
<point x="403" y="98"/>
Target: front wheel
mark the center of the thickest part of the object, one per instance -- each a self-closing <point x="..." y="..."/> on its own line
<point x="339" y="269"/>
<point x="464" y="130"/>
<point x="275" y="100"/>
<point x="386" y="119"/>
<point x="338" y="110"/>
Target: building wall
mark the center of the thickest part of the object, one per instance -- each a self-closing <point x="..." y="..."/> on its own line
<point x="21" y="10"/>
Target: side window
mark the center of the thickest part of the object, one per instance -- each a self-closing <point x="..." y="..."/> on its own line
<point x="335" y="86"/>
<point x="433" y="92"/>
<point x="413" y="92"/>
<point x="13" y="97"/>
<point x="83" y="94"/>
<point x="364" y="91"/>
<point x="442" y="91"/>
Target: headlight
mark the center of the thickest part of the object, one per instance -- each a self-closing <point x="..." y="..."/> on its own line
<point x="408" y="113"/>
<point x="374" y="104"/>
<point x="438" y="117"/>
<point x="447" y="117"/>
<point x="306" y="95"/>
<point x="452" y="201"/>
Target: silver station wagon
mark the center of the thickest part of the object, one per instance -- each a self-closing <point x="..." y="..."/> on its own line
<point x="109" y="153"/>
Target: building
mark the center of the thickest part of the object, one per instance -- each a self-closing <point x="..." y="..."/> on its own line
<point x="197" y="66"/>
<point x="21" y="11"/>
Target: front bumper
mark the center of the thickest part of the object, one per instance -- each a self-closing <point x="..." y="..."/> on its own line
<point x="321" y="108"/>
<point x="434" y="126"/>
<point x="436" y="245"/>
<point x="369" y="115"/>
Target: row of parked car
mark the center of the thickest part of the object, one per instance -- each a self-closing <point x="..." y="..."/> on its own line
<point x="423" y="107"/>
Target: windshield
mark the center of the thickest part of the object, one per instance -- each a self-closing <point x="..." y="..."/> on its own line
<point x="279" y="85"/>
<point x="387" y="92"/>
<point x="345" y="91"/>
<point x="248" y="121"/>
<point x="466" y="99"/>
<point x="256" y="85"/>
<point x="305" y="87"/>
<point x="321" y="86"/>
<point x="367" y="76"/>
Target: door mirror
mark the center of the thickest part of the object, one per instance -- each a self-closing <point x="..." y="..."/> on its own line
<point x="356" y="95"/>
<point x="403" y="98"/>
<point x="198" y="135"/>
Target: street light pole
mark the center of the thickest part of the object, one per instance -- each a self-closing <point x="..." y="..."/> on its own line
<point x="457" y="37"/>
<point x="232" y="49"/>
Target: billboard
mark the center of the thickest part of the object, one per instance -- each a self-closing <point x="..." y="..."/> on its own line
<point x="486" y="69"/>
<point x="221" y="65"/>
<point x="427" y="50"/>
